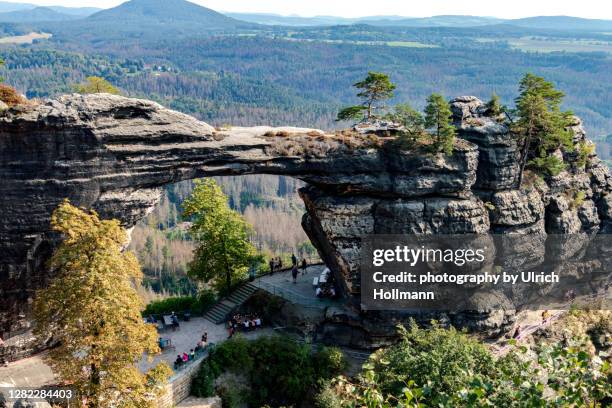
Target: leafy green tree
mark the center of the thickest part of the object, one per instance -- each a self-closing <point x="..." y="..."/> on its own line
<point x="92" y="311"/>
<point x="280" y="371"/>
<point x="94" y="84"/>
<point x="576" y="377"/>
<point x="445" y="368"/>
<point x="412" y="121"/>
<point x="438" y="118"/>
<point x="223" y="251"/>
<point x="541" y="126"/>
<point x="374" y="89"/>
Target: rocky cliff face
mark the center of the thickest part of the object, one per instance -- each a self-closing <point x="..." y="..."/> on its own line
<point x="575" y="201"/>
<point x="113" y="154"/>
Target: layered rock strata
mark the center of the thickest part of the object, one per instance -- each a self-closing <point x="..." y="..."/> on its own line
<point x="113" y="154"/>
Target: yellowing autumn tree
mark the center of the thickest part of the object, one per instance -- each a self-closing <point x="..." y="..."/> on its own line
<point x="94" y="84"/>
<point x="92" y="311"/>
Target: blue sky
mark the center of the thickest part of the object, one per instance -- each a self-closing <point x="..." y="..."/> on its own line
<point x="419" y="8"/>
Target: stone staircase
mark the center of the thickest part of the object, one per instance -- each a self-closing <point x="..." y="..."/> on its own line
<point x="220" y="312"/>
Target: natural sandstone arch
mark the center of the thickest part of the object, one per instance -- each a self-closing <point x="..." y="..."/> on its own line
<point x="113" y="154"/>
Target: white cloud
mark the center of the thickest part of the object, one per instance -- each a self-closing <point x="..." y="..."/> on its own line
<point x="413" y="8"/>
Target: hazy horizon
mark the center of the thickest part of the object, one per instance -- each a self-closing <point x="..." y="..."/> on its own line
<point x="354" y="9"/>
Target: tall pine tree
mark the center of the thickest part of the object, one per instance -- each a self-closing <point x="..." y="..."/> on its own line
<point x="374" y="89"/>
<point x="438" y="118"/>
<point x="541" y="127"/>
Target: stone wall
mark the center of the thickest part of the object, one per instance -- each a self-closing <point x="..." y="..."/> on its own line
<point x="179" y="386"/>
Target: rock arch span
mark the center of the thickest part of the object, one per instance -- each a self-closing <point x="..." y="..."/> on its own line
<point x="114" y="154"/>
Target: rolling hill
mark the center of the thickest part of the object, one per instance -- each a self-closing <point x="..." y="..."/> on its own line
<point x="35" y="15"/>
<point x="179" y="14"/>
<point x="563" y="23"/>
<point x="76" y="11"/>
<point x="149" y="19"/>
<point x="6" y="6"/>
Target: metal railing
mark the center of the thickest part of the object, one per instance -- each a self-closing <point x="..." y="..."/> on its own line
<point x="293" y="296"/>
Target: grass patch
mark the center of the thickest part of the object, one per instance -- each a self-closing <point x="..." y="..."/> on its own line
<point x="25" y="39"/>
<point x="545" y="44"/>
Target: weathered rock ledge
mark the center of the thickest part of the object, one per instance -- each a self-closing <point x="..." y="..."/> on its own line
<point x="113" y="154"/>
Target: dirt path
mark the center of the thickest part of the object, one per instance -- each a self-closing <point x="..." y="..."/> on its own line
<point x="532" y="323"/>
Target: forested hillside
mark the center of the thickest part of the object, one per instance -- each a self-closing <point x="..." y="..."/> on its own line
<point x="242" y="80"/>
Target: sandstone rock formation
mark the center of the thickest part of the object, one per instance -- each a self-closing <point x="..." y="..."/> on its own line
<point x="113" y="154"/>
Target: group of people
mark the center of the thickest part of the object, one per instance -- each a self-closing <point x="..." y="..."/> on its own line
<point x="276" y="264"/>
<point x="182" y="359"/>
<point x="240" y="322"/>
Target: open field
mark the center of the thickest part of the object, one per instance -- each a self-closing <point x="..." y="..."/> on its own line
<point x="25" y="39"/>
<point x="540" y="44"/>
<point x="407" y="44"/>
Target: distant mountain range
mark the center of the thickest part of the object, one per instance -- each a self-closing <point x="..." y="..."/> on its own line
<point x="161" y="17"/>
<point x="436" y="21"/>
<point x="76" y="11"/>
<point x="540" y="22"/>
<point x="6" y="6"/>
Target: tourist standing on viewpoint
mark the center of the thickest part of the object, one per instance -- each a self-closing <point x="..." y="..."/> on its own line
<point x="294" y="273"/>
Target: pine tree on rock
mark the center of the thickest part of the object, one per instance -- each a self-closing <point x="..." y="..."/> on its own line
<point x="374" y="89"/>
<point x="438" y="119"/>
<point x="541" y="127"/>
